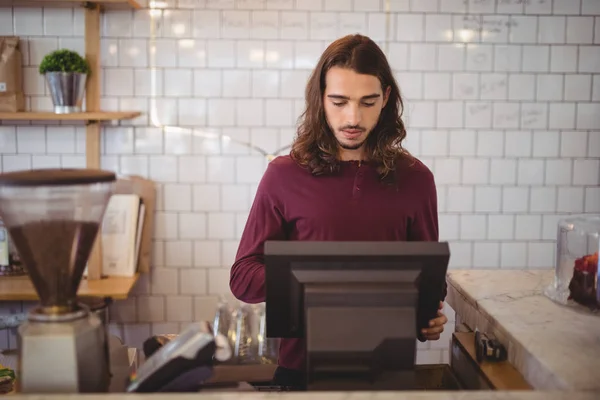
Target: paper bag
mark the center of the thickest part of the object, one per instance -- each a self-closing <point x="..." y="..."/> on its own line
<point x="11" y="75"/>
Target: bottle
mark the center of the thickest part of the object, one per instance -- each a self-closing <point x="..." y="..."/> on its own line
<point x="4" y="259"/>
<point x="14" y="259"/>
<point x="10" y="262"/>
<point x="222" y="317"/>
<point x="268" y="348"/>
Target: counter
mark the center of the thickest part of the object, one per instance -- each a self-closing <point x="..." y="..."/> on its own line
<point x="555" y="348"/>
<point x="552" y="346"/>
<point x="332" y="396"/>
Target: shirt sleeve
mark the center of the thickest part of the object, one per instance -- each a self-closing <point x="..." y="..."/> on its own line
<point x="265" y="222"/>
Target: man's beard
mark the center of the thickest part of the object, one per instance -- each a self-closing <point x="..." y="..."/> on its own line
<point x="353" y="146"/>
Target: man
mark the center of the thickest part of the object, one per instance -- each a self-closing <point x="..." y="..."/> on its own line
<point x="347" y="178"/>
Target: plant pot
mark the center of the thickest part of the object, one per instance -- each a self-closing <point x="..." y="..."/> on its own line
<point x="67" y="90"/>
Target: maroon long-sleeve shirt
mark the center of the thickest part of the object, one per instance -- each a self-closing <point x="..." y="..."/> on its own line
<point x="352" y="205"/>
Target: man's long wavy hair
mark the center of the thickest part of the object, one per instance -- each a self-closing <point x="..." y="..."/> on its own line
<point x="315" y="146"/>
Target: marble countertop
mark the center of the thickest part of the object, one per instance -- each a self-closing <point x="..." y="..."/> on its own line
<point x="473" y="395"/>
<point x="552" y="346"/>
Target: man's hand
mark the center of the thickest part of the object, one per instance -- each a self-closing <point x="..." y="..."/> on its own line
<point x="436" y="325"/>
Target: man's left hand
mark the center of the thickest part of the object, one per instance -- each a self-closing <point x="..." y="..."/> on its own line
<point x="436" y="325"/>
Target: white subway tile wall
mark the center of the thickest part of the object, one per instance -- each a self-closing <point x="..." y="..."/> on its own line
<point x="501" y="101"/>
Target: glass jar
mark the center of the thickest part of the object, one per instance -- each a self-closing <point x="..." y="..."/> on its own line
<point x="576" y="269"/>
<point x="10" y="262"/>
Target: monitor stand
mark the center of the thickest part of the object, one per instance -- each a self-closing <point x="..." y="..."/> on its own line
<point x="361" y="336"/>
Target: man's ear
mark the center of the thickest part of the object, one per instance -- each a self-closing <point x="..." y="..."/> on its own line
<point x="386" y="95"/>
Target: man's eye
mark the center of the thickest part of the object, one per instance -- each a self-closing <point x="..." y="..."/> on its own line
<point x="338" y="104"/>
<point x="369" y="104"/>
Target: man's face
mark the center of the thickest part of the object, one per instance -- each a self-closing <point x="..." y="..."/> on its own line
<point x="353" y="104"/>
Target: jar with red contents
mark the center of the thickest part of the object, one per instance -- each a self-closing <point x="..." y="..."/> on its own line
<point x="576" y="269"/>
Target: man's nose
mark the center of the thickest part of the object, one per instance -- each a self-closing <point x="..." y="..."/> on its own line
<point x="353" y="114"/>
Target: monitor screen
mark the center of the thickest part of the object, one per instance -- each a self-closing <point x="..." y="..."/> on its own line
<point x="290" y="265"/>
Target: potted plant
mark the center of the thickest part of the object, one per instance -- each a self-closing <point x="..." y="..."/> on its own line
<point x="66" y="74"/>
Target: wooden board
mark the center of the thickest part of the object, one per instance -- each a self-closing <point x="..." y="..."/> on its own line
<point x="501" y="375"/>
<point x="242" y="373"/>
<point x="20" y="288"/>
<point x="82" y="116"/>
<point x="106" y="4"/>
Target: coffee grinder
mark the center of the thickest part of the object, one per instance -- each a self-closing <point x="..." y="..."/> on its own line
<point x="53" y="217"/>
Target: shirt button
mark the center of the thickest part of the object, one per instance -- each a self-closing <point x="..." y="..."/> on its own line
<point x="357" y="188"/>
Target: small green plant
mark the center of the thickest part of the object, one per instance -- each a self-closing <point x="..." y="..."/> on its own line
<point x="64" y="60"/>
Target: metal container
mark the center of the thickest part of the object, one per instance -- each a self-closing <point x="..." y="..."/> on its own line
<point x="67" y="90"/>
<point x="99" y="306"/>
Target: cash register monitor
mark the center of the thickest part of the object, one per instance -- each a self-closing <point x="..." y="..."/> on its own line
<point x="358" y="305"/>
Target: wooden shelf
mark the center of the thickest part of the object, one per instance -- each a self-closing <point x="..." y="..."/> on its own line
<point x="105" y="4"/>
<point x="117" y="288"/>
<point x="501" y="375"/>
<point x="20" y="288"/>
<point x="82" y="116"/>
